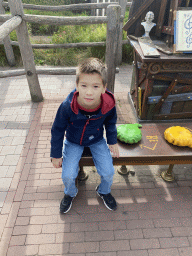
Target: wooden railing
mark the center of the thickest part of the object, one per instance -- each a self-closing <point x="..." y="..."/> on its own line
<point x="17" y="20"/>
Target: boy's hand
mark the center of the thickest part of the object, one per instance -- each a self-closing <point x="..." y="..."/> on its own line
<point x="114" y="150"/>
<point x="57" y="162"/>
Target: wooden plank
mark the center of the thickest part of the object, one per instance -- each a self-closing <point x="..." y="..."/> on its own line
<point x="165" y="95"/>
<point x="148" y="48"/>
<point x="171" y="98"/>
<point x="171" y="116"/>
<point x="166" y="108"/>
<point x="147" y="92"/>
<point x="153" y="149"/>
<point x="140" y="11"/>
<point x="163" y="57"/>
<point x="161" y="17"/>
<point x="161" y="46"/>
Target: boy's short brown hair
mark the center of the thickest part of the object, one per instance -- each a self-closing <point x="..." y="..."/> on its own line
<point x="90" y="66"/>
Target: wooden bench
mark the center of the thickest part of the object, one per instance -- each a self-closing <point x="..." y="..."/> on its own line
<point x="153" y="149"/>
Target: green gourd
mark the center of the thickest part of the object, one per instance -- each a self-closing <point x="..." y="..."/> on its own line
<point x="129" y="133"/>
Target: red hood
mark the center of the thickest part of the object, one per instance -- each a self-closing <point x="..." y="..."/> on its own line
<point x="107" y="102"/>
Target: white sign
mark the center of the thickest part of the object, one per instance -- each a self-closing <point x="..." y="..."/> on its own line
<point x="183" y="31"/>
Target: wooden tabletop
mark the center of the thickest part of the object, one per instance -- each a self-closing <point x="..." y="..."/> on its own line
<point x="153" y="149"/>
<point x="163" y="57"/>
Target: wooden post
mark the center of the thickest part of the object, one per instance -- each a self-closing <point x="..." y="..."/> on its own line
<point x="113" y="28"/>
<point x="123" y="4"/>
<point x="93" y="11"/>
<point x="26" y="52"/>
<point x="7" y="43"/>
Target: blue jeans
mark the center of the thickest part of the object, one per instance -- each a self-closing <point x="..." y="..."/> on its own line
<point x="102" y="159"/>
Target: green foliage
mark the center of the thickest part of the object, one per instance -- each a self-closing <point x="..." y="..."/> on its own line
<point x="65" y="34"/>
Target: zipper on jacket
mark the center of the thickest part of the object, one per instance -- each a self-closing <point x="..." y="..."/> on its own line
<point x="87" y="122"/>
<point x="84" y="128"/>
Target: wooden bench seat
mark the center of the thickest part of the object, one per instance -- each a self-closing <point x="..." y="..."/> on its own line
<point x="153" y="149"/>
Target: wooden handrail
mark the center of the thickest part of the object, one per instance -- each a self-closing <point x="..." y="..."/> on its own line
<point x="70" y="7"/>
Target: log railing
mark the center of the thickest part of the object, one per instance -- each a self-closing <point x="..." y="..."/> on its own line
<point x="17" y="20"/>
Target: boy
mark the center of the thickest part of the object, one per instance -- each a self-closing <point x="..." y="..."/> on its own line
<point x="83" y="114"/>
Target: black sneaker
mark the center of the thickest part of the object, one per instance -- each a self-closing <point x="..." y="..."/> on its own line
<point x="109" y="200"/>
<point x="66" y="204"/>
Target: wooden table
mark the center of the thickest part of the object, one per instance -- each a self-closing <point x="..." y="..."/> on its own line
<point x="153" y="149"/>
<point x="161" y="87"/>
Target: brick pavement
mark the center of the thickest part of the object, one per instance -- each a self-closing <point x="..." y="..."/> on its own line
<point x="154" y="218"/>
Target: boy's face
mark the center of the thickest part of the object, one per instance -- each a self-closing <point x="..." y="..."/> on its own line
<point x="90" y="88"/>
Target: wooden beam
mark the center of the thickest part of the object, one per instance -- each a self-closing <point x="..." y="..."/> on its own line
<point x="70" y="7"/>
<point x="140" y="11"/>
<point x="42" y="71"/>
<point x="5" y="17"/>
<point x="59" y="20"/>
<point x="161" y="17"/>
<point x="8" y="26"/>
<point x="113" y="30"/>
<point x="26" y="52"/>
<point x="66" y="46"/>
<point x="7" y="43"/>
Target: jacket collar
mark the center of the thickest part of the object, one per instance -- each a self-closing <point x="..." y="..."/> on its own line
<point x="107" y="102"/>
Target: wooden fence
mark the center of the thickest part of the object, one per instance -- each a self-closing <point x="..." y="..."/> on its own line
<point x="17" y="20"/>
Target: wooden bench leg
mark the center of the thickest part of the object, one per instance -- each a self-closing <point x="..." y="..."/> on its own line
<point x="82" y="175"/>
<point x="168" y="175"/>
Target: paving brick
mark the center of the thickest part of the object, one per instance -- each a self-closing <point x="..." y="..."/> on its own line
<point x="114" y="246"/>
<point x="2" y="198"/>
<point x="45" y="220"/>
<point x="141" y="244"/>
<point x="112" y="225"/>
<point x="17" y="240"/>
<point x="40" y="239"/>
<point x="23" y="250"/>
<point x="84" y="247"/>
<point x="59" y="249"/>
<point x="22" y="221"/>
<point x="101" y="254"/>
<point x="29" y="229"/>
<point x="79" y="227"/>
<point x="157" y="232"/>
<point x="169" y="222"/>
<point x="13" y="215"/>
<point x="133" y="253"/>
<point x="128" y="234"/>
<point x="20" y="191"/>
<point x="135" y="224"/>
<point x="181" y="231"/>
<point x="99" y="236"/>
<point x="24" y="212"/>
<point x="174" y="242"/>
<point x="5" y="184"/>
<point x="56" y="228"/>
<point x="185" y="251"/>
<point x="164" y="252"/>
<point x="65" y="237"/>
